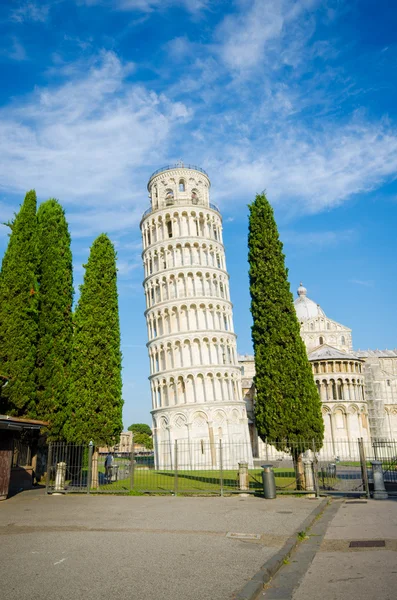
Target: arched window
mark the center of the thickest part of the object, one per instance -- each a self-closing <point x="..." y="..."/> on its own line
<point x="169" y="228"/>
<point x="328" y="326"/>
<point x="181" y="185"/>
<point x="169" y="197"/>
<point x="321" y="340"/>
<point x="195" y="197"/>
<point x="343" y="340"/>
<point x="312" y="326"/>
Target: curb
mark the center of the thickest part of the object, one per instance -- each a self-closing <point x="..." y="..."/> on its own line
<point x="251" y="589"/>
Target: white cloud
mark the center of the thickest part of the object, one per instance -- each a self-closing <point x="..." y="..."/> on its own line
<point x="306" y="171"/>
<point x="103" y="219"/>
<point x="147" y="6"/>
<point x="365" y="283"/>
<point x="85" y="142"/>
<point x="15" y="51"/>
<point x="125" y="267"/>
<point x="180" y="48"/>
<point x="6" y="215"/>
<point x="92" y="140"/>
<point x="317" y="240"/>
<point x="253" y="34"/>
<point x="30" y="11"/>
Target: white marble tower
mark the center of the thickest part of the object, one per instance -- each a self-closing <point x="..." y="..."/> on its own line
<point x="194" y="373"/>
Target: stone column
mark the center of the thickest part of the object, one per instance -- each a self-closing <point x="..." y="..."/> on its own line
<point x="379" y="483"/>
<point x="243" y="476"/>
<point x="309" y="476"/>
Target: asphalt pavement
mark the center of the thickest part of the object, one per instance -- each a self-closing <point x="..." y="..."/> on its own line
<point x="351" y="552"/>
<point x="141" y="548"/>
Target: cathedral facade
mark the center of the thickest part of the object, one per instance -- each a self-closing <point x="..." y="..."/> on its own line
<point x="358" y="389"/>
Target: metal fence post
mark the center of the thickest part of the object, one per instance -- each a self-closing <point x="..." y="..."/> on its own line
<point x="221" y="466"/>
<point x="132" y="465"/>
<point x="49" y="462"/>
<point x="176" y="468"/>
<point x="89" y="468"/>
<point x="363" y="462"/>
<point x="315" y="471"/>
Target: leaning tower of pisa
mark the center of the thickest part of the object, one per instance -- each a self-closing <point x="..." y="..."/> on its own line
<point x="194" y="373"/>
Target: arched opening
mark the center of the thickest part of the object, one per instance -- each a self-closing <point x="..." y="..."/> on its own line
<point x="343" y="341"/>
<point x="195" y="197"/>
<point x="321" y="340"/>
<point x="169" y="197"/>
<point x="168" y="224"/>
<point x="181" y="185"/>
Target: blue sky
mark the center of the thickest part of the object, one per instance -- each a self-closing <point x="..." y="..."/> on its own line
<point x="297" y="97"/>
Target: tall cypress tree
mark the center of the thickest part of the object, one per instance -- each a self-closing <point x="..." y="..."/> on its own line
<point x="18" y="313"/>
<point x="288" y="406"/>
<point x="55" y="327"/>
<point x="95" y="390"/>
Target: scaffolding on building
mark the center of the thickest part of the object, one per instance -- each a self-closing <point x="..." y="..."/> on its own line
<point x="376" y="407"/>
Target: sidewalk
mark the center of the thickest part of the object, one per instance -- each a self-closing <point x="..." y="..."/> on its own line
<point x="338" y="570"/>
<point x="140" y="548"/>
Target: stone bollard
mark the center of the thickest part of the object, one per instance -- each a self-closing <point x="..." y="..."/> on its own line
<point x="269" y="482"/>
<point x="309" y="476"/>
<point x="60" y="478"/>
<point x="379" y="483"/>
<point x="243" y="476"/>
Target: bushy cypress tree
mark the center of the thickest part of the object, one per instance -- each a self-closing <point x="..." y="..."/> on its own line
<point x="55" y="327"/>
<point x="288" y="406"/>
<point x="18" y="313"/>
<point x="95" y="391"/>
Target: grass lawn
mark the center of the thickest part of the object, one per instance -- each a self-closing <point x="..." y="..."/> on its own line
<point x="196" y="481"/>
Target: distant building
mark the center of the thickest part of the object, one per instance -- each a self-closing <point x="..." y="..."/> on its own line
<point x="124" y="446"/>
<point x="358" y="389"/>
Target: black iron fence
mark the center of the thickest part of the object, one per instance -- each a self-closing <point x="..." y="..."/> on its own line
<point x="199" y="467"/>
<point x="384" y="451"/>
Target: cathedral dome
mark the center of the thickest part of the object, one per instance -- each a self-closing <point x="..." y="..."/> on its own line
<point x="305" y="308"/>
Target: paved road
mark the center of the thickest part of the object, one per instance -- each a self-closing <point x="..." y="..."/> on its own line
<point x="141" y="548"/>
<point x="326" y="567"/>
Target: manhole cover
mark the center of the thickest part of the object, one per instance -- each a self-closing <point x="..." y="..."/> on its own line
<point x="367" y="544"/>
<point x="243" y="536"/>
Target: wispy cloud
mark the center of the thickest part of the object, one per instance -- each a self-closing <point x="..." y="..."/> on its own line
<point x="93" y="139"/>
<point x="261" y="33"/>
<point x="125" y="267"/>
<point x="31" y="11"/>
<point x="309" y="171"/>
<point x="85" y="140"/>
<point x="318" y="239"/>
<point x="147" y="6"/>
<point x="14" y="50"/>
<point x="365" y="283"/>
